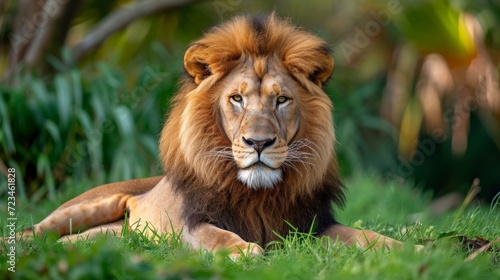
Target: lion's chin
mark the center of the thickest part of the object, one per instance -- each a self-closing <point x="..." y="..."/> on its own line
<point x="259" y="177"/>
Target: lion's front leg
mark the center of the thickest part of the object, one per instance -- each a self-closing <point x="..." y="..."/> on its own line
<point x="95" y="208"/>
<point x="82" y="215"/>
<point x="360" y="238"/>
<point x="212" y="238"/>
<point x="114" y="229"/>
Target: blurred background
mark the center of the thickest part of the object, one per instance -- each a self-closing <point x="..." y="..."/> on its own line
<point x="85" y="86"/>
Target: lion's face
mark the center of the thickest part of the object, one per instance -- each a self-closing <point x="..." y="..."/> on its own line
<point x="252" y="110"/>
<point x="260" y="117"/>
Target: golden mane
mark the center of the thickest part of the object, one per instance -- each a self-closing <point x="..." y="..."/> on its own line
<point x="193" y="131"/>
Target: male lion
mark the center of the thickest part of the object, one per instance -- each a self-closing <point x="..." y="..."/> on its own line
<point x="247" y="149"/>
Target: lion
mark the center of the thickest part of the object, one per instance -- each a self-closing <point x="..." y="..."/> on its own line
<point x="247" y="150"/>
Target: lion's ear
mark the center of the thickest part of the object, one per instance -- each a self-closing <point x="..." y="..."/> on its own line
<point x="321" y="74"/>
<point x="313" y="65"/>
<point x="195" y="62"/>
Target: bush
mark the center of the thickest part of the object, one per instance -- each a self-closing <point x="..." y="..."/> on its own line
<point x="83" y="123"/>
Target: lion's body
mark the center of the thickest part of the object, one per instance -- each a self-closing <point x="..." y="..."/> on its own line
<point x="247" y="149"/>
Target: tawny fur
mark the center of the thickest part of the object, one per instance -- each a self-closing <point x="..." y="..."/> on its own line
<point x="199" y="193"/>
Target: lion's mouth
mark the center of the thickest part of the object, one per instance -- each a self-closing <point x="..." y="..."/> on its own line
<point x="258" y="164"/>
<point x="259" y="176"/>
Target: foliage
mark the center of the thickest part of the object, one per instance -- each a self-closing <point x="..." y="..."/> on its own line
<point x="84" y="123"/>
<point x="411" y="98"/>
<point x="97" y="117"/>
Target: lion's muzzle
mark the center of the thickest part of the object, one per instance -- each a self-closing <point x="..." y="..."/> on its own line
<point x="260" y="165"/>
<point x="259" y="145"/>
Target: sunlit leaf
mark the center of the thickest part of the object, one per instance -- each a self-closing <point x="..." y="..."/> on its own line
<point x="436" y="26"/>
<point x="131" y="40"/>
<point x="410" y="127"/>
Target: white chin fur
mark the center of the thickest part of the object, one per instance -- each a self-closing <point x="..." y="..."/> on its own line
<point x="259" y="177"/>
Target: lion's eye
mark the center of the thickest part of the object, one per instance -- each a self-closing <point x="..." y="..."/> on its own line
<point x="282" y="99"/>
<point x="236" y="97"/>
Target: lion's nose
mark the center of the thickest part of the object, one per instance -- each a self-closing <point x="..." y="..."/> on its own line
<point x="259" y="145"/>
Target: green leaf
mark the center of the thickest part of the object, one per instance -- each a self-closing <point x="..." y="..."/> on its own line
<point x="43" y="168"/>
<point x="124" y="121"/>
<point x="436" y="26"/>
<point x="63" y="100"/>
<point x="53" y="130"/>
<point x="110" y="75"/>
<point x="40" y="92"/>
<point x="6" y="129"/>
<point x="20" y="185"/>
<point x="379" y="124"/>
<point x="150" y="144"/>
<point x="76" y="88"/>
<point x="98" y="107"/>
<point x="84" y="119"/>
<point x="447" y="234"/>
<point x="121" y="168"/>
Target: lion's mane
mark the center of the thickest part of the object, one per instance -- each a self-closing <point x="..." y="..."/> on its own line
<point x="193" y="130"/>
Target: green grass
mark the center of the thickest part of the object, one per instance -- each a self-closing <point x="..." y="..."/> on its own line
<point x="395" y="210"/>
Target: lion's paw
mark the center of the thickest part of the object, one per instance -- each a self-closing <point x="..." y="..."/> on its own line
<point x="248" y="249"/>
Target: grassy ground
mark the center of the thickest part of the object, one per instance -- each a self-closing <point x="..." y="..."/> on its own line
<point x="394" y="210"/>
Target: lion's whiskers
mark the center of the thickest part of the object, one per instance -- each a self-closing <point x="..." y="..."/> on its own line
<point x="289" y="164"/>
<point x="302" y="151"/>
<point x="296" y="154"/>
<point x="221" y="153"/>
